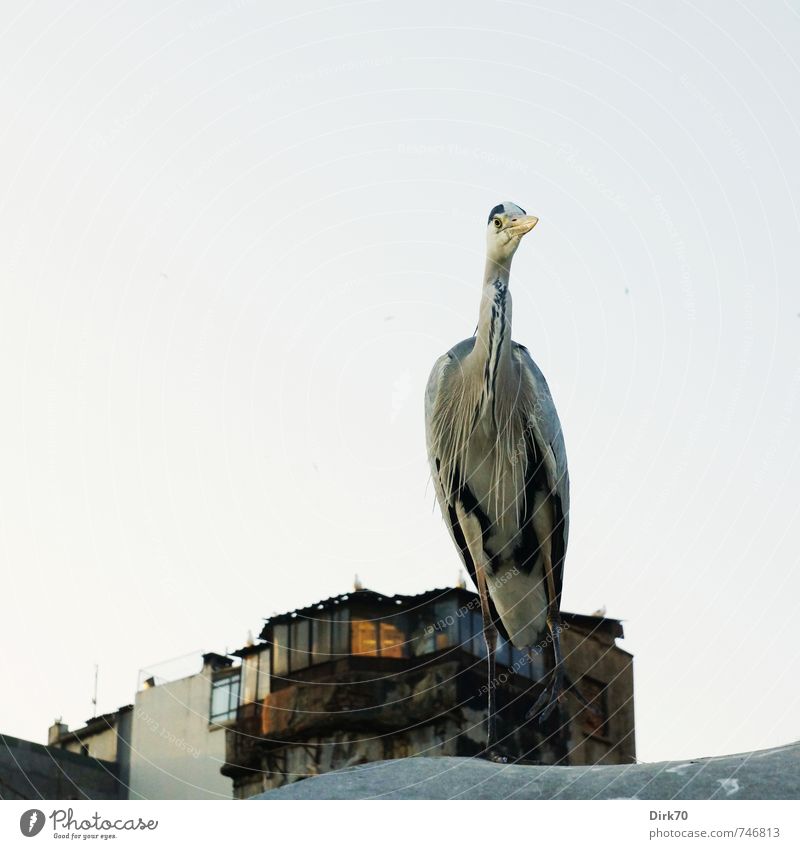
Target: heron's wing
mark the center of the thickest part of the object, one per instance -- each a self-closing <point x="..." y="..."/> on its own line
<point x="547" y="460"/>
<point x="446" y="368"/>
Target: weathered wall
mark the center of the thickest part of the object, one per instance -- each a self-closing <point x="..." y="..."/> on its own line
<point x="434" y="709"/>
<point x="33" y="771"/>
<point x="102" y="744"/>
<point x="175" y="754"/>
<point x="603" y="663"/>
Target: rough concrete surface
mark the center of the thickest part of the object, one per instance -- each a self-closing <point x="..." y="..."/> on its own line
<point x="766" y="774"/>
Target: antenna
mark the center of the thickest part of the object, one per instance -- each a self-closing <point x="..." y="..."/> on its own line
<point x="94" y="698"/>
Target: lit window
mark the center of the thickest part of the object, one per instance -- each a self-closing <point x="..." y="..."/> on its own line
<point x="364" y="637"/>
<point x="225" y="697"/>
<point x="392" y="639"/>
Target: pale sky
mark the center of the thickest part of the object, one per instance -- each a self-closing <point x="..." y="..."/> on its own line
<point x="237" y="235"/>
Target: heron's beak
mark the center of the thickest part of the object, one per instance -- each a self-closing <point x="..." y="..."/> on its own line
<point x="522" y="225"/>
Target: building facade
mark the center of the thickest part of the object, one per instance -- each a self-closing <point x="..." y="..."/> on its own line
<point x="31" y="770"/>
<point x="363" y="677"/>
<point x="169" y="744"/>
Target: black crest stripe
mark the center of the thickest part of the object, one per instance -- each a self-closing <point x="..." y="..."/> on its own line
<point x="498" y="210"/>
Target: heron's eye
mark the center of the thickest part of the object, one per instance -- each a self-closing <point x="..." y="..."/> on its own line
<point x="497" y="223"/>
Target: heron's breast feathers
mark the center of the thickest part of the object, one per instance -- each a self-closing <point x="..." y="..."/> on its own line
<point x="489" y="449"/>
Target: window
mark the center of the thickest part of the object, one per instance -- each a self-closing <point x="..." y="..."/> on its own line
<point x="255" y="676"/>
<point x="384" y="638"/>
<point x="225" y="697"/>
<point x="446" y="623"/>
<point x="299" y="656"/>
<point x="364" y="637"/>
<point x="340" y="624"/>
<point x="321" y="640"/>
<point x="392" y="640"/>
<point x="249" y="677"/>
<point x="503" y="653"/>
<point x="478" y="642"/>
<point x="280" y="650"/>
<point x="262" y="685"/>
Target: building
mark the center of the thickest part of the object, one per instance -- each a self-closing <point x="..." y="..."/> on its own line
<point x="35" y="771"/>
<point x="170" y="744"/>
<point x="363" y="677"/>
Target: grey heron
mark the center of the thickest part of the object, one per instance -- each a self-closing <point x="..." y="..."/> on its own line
<point x="499" y="469"/>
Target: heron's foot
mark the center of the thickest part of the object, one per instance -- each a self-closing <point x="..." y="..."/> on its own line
<point x="495" y="757"/>
<point x="548" y="698"/>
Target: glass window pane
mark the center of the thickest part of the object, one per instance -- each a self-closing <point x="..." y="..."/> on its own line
<point x="364" y="637"/>
<point x="219" y="701"/>
<point x="250" y="675"/>
<point x="464" y="628"/>
<point x="225" y="697"/>
<point x="446" y="623"/>
<point x="321" y="644"/>
<point x="234" y="683"/>
<point x="421" y="631"/>
<point x="478" y="643"/>
<point x="520" y="662"/>
<point x="298" y="657"/>
<point x="262" y="685"/>
<point x="392" y="639"/>
<point x="503" y="653"/>
<point x="340" y="622"/>
<point x="280" y="650"/>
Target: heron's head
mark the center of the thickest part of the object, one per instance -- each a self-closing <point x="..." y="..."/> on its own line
<point x="508" y="223"/>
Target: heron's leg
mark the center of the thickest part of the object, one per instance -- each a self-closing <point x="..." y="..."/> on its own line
<point x="551" y="695"/>
<point x="490" y="635"/>
<point x="473" y="536"/>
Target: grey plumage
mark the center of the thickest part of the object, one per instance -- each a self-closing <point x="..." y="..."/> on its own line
<point x="499" y="463"/>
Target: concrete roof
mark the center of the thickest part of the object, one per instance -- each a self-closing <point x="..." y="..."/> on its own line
<point x="766" y="774"/>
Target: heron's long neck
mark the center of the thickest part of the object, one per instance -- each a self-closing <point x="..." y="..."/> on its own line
<point x="492" y="348"/>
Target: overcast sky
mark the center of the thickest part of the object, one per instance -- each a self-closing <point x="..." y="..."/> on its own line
<point x="235" y="236"/>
